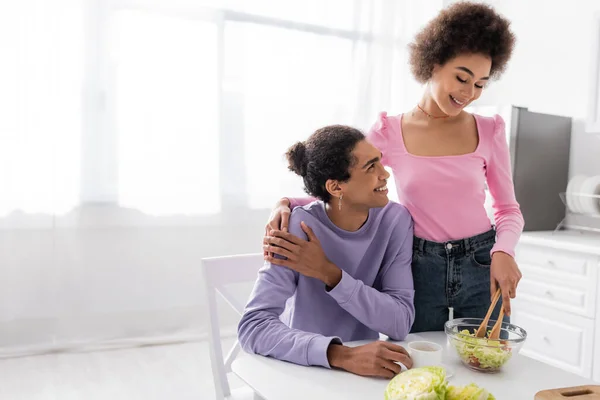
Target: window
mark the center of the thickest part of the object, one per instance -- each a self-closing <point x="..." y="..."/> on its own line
<point x="290" y="83"/>
<point x="42" y="45"/>
<point x="332" y="14"/>
<point x="185" y="106"/>
<point x="206" y="101"/>
<point x="167" y="113"/>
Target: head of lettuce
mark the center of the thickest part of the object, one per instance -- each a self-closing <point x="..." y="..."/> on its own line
<point x="429" y="383"/>
<point x="426" y="383"/>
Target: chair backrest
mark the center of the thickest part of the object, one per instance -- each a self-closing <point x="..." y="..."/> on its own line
<point x="219" y="272"/>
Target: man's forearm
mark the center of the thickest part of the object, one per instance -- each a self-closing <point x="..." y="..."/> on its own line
<point x="332" y="276"/>
<point x="337" y="355"/>
<point x="390" y="313"/>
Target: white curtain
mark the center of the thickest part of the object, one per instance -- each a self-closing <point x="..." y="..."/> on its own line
<point x="139" y="136"/>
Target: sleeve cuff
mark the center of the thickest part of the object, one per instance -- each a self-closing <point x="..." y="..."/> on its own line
<point x="317" y="350"/>
<point x="345" y="289"/>
<point x="510" y="252"/>
<point x="293" y="202"/>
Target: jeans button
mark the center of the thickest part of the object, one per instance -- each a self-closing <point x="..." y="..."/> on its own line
<point x="449" y="246"/>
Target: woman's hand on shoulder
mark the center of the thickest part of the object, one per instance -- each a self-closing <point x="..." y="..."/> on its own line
<point x="279" y="219"/>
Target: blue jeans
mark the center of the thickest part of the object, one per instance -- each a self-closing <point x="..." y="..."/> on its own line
<point x="452" y="274"/>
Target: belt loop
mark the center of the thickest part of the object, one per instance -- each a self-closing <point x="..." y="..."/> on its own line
<point x="421" y="245"/>
<point x="467" y="242"/>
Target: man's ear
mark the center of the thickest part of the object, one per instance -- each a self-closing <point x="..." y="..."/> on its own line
<point x="333" y="187"/>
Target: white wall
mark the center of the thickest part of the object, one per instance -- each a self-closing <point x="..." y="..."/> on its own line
<point x="550" y="72"/>
<point x="550" y="67"/>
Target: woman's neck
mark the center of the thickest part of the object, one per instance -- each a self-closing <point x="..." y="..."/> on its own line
<point x="347" y="218"/>
<point x="428" y="110"/>
<point x="430" y="106"/>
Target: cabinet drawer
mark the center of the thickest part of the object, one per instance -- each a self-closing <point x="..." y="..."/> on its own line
<point x="558" y="278"/>
<point x="578" y="299"/>
<point x="554" y="337"/>
<point x="558" y="262"/>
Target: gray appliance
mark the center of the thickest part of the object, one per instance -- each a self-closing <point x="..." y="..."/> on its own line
<point x="539" y="150"/>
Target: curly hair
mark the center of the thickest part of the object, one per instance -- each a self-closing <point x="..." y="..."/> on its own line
<point x="326" y="154"/>
<point x="463" y="27"/>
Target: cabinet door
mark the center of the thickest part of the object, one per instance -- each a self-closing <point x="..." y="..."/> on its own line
<point x="596" y="370"/>
<point x="555" y="337"/>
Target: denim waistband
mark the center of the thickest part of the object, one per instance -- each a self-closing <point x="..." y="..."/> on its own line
<point x="455" y="247"/>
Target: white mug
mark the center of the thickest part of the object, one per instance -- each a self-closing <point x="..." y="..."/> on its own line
<point x="425" y="354"/>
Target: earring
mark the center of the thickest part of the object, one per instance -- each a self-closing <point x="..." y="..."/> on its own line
<point x="340" y="202"/>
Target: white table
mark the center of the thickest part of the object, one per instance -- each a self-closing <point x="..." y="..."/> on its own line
<point x="278" y="380"/>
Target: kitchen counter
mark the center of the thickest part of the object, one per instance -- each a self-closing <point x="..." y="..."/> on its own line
<point x="585" y="242"/>
<point x="522" y="378"/>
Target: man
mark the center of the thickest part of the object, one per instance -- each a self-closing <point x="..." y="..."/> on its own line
<point x="348" y="278"/>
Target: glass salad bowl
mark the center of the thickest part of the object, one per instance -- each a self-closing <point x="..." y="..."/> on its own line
<point x="484" y="354"/>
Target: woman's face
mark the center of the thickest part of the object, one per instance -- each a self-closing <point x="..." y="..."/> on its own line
<point x="459" y="82"/>
<point x="367" y="186"/>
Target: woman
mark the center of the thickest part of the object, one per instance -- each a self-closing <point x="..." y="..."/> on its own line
<point x="346" y="278"/>
<point x="442" y="157"/>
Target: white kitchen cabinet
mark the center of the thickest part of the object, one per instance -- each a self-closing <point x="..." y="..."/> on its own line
<point x="558" y="300"/>
<point x="596" y="367"/>
<point x="557" y="338"/>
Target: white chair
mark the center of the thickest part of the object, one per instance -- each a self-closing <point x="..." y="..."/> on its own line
<point x="219" y="272"/>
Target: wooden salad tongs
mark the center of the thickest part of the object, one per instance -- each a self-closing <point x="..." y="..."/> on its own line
<point x="481" y="331"/>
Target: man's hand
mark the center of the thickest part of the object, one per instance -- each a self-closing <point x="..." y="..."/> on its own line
<point x="373" y="359"/>
<point x="304" y="257"/>
<point x="505" y="273"/>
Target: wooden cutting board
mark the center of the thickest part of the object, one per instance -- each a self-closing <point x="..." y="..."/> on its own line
<point x="575" y="393"/>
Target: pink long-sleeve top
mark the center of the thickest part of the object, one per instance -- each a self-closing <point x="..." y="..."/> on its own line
<point x="446" y="194"/>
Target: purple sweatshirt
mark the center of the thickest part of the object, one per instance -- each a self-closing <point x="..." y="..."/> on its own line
<point x="293" y="318"/>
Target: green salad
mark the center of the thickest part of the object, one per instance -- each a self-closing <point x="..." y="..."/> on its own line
<point x="481" y="352"/>
<point x="429" y="383"/>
